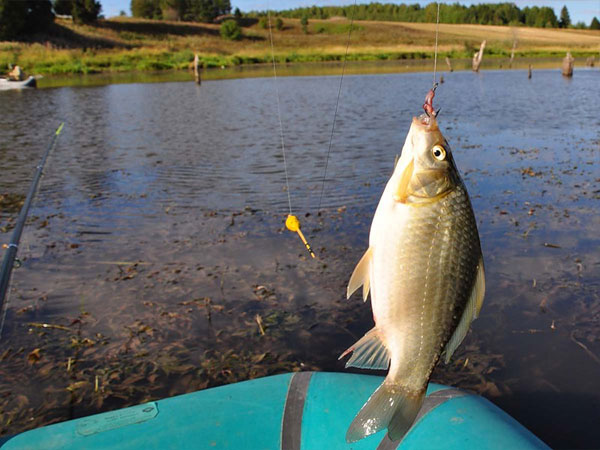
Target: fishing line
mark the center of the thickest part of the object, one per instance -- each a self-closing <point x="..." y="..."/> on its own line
<point x="292" y="223"/>
<point x="287" y="181"/>
<point x="336" y="107"/>
<point x="437" y="30"/>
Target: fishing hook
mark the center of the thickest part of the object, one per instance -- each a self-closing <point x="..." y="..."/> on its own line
<point x="428" y="105"/>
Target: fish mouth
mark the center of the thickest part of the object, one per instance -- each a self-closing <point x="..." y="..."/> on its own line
<point x="425" y="123"/>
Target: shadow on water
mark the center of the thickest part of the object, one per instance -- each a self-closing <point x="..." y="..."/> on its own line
<point x="155" y="261"/>
<point x="555" y="412"/>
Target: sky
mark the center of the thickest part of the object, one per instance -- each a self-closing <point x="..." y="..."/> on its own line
<point x="579" y="10"/>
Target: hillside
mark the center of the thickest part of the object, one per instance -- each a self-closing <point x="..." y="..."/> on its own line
<point x="125" y="44"/>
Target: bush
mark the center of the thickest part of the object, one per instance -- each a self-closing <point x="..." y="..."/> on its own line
<point x="279" y="24"/>
<point x="149" y="9"/>
<point x="304" y="23"/>
<point x="230" y="30"/>
<point x="85" y="11"/>
<point x="263" y="22"/>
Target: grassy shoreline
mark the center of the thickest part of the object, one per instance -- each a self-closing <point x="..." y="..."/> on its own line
<point x="128" y="45"/>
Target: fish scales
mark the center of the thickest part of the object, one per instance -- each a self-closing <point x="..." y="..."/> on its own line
<point x="436" y="295"/>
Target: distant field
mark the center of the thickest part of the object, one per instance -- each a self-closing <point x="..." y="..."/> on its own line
<point x="125" y="44"/>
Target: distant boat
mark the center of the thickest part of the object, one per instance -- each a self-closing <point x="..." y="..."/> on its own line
<point x="6" y="84"/>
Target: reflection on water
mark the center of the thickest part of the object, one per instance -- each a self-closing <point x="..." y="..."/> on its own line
<point x="299" y="69"/>
<point x="156" y="251"/>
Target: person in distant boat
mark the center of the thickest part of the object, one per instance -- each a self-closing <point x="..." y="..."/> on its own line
<point x="16" y="74"/>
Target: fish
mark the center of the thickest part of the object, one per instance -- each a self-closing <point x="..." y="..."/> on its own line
<point x="425" y="274"/>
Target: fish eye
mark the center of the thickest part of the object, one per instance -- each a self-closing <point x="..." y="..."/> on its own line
<point x="438" y="152"/>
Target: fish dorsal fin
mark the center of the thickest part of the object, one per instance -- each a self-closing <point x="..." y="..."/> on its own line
<point x="369" y="352"/>
<point x="471" y="312"/>
<point x="360" y="276"/>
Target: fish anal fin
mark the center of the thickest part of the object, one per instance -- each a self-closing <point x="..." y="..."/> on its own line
<point x="471" y="312"/>
<point x="369" y="352"/>
<point x="360" y="276"/>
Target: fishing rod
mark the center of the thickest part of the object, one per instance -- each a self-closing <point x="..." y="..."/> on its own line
<point x="13" y="246"/>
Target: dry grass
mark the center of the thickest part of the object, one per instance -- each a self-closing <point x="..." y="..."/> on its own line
<point x="125" y="44"/>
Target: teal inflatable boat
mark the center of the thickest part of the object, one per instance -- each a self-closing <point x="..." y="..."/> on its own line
<point x="303" y="410"/>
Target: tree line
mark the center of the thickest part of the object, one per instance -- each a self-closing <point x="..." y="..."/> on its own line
<point x="26" y="17"/>
<point x="189" y="10"/>
<point x="483" y="14"/>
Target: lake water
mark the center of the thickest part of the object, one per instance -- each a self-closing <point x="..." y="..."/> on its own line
<point x="156" y="253"/>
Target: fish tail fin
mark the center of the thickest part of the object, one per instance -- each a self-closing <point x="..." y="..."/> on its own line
<point x="406" y="413"/>
<point x="391" y="406"/>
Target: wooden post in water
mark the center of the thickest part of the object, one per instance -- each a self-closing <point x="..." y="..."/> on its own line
<point x="196" y="71"/>
<point x="567" y="65"/>
<point x="441" y="79"/>
<point x="478" y="57"/>
<point x="590" y="61"/>
<point x="529" y="72"/>
<point x="512" y="54"/>
<point x="449" y="64"/>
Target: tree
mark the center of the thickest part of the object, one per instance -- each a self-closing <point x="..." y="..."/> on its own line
<point x="502" y="13"/>
<point x="565" y="20"/>
<point x="13" y="16"/>
<point x="279" y="24"/>
<point x="595" y="25"/>
<point x="147" y="9"/>
<point x="63" y="7"/>
<point x="204" y="10"/>
<point x="231" y="31"/>
<point x="85" y="11"/>
<point x="237" y="14"/>
<point x="545" y="18"/>
<point x="304" y="23"/>
<point x="24" y="17"/>
<point x="39" y="15"/>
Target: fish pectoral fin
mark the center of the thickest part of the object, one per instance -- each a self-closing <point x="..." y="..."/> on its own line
<point x="369" y="352"/>
<point x="360" y="276"/>
<point x="479" y="289"/>
<point x="471" y="312"/>
<point x="401" y="193"/>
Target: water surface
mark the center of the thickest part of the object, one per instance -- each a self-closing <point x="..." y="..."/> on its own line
<point x="155" y="249"/>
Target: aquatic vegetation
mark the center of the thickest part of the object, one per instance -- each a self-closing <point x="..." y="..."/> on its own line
<point x="150" y="261"/>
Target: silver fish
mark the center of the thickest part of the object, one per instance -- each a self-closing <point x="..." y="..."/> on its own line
<point x="424" y="270"/>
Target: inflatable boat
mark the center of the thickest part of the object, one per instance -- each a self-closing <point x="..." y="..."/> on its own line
<point x="302" y="410"/>
<point x="6" y="84"/>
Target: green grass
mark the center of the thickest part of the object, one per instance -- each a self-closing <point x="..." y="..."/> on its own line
<point x="335" y="28"/>
<point x="124" y="45"/>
